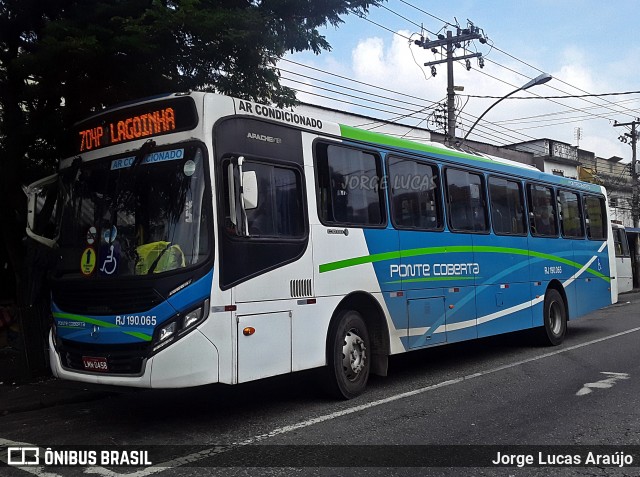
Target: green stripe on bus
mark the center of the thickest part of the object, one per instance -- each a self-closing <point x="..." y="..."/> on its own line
<point x="85" y="319"/>
<point x="106" y="324"/>
<point x="142" y="336"/>
<point x="356" y="134"/>
<point x="380" y="257"/>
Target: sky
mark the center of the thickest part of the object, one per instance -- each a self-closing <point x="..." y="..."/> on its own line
<point x="589" y="47"/>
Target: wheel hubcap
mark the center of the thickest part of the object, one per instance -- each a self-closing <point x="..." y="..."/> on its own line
<point x="555" y="318"/>
<point x="354" y="355"/>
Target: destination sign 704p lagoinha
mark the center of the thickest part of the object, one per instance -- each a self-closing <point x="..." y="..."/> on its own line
<point x="134" y="127"/>
<point x="152" y="119"/>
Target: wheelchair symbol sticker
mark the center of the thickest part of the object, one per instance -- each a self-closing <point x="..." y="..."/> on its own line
<point x="110" y="263"/>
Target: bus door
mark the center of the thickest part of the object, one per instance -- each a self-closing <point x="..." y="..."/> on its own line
<point x="552" y="250"/>
<point x="593" y="285"/>
<point x="502" y="286"/>
<point x="624" y="276"/>
<point x="263" y="240"/>
<point x="454" y="266"/>
<point x="416" y="212"/>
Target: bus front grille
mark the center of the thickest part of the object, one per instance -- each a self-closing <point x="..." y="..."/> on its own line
<point x="125" y="359"/>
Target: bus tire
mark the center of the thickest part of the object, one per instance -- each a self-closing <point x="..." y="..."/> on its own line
<point x="554" y="317"/>
<point x="348" y="355"/>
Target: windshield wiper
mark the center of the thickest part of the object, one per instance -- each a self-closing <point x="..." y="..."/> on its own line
<point x="143" y="151"/>
<point x="157" y="260"/>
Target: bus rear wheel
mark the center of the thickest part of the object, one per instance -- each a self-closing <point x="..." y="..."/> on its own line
<point x="554" y="327"/>
<point x="348" y="355"/>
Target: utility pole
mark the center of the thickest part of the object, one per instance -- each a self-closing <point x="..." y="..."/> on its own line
<point x="449" y="44"/>
<point x="634" y="191"/>
<point x="635" y="213"/>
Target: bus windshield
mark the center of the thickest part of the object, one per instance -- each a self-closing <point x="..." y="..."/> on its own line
<point x="131" y="215"/>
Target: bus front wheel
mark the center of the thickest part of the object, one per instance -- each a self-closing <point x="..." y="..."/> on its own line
<point x="348" y="355"/>
<point x="555" y="319"/>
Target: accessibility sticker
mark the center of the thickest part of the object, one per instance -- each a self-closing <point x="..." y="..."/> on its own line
<point x="88" y="261"/>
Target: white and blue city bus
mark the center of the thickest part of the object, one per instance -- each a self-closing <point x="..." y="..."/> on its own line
<point x="206" y="239"/>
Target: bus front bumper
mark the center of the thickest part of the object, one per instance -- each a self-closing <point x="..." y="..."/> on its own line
<point x="191" y="361"/>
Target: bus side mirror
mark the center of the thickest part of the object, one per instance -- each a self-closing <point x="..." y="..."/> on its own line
<point x="250" y="190"/>
<point x="41" y="210"/>
<point x="243" y="194"/>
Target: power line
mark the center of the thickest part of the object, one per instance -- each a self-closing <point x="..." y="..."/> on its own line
<point x="357" y="81"/>
<point x="630" y="111"/>
<point x="346" y="87"/>
<point x="349" y="95"/>
<point x="488" y="132"/>
<point x="556" y="97"/>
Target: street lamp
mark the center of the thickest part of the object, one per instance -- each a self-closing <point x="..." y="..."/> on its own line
<point x="540" y="79"/>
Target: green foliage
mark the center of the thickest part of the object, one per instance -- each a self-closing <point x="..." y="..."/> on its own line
<point x="62" y="59"/>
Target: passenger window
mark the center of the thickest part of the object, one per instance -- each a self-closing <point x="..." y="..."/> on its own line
<point x="569" y="212"/>
<point x="349" y="182"/>
<point x="415" y="194"/>
<point x="507" y="207"/>
<point x="594" y="213"/>
<point x="542" y="211"/>
<point x="620" y="242"/>
<point x="465" y="196"/>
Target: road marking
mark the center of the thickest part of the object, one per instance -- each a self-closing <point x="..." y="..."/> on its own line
<point x="603" y="383"/>
<point x="196" y="456"/>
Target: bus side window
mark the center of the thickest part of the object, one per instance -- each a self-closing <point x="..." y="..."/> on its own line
<point x="415" y="194"/>
<point x="542" y="211"/>
<point x="465" y="192"/>
<point x="617" y="242"/>
<point x="625" y="243"/>
<point x="507" y="206"/>
<point x="349" y="182"/>
<point x="570" y="216"/>
<point x="595" y="217"/>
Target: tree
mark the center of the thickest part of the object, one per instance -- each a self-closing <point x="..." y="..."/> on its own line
<point x="60" y="60"/>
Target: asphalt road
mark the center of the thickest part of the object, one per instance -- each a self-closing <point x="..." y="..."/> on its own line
<point x="497" y="395"/>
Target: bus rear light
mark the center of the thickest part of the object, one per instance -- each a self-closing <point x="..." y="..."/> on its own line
<point x="230" y="308"/>
<point x="248" y="331"/>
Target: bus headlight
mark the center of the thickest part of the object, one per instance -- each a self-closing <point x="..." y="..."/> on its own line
<point x="180" y="326"/>
<point x="167" y="331"/>
<point x="195" y="316"/>
<point x="191" y="318"/>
